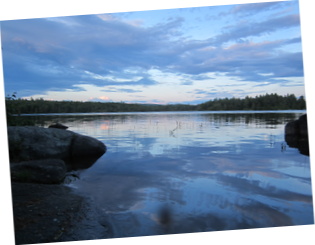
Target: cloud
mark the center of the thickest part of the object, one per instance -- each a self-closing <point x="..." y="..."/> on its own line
<point x="245" y="61"/>
<point x="253" y="8"/>
<point x="100" y="99"/>
<point x="201" y="77"/>
<point x="110" y="17"/>
<point x="120" y="80"/>
<point x="247" y="29"/>
<point x="122" y="90"/>
<point x="201" y="91"/>
<point x="186" y="83"/>
<point x="55" y="54"/>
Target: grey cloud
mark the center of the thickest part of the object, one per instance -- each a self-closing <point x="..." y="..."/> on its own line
<point x="248" y="29"/>
<point x="246" y="61"/>
<point x="254" y="8"/>
<point x="186" y="83"/>
<point x="145" y="81"/>
<point x="201" y="77"/>
<point x="52" y="54"/>
<point x="200" y="91"/>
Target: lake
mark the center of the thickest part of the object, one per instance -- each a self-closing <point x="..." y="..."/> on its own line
<point x="183" y="172"/>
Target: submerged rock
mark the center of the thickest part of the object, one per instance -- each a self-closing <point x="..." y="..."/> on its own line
<point x="296" y="134"/>
<point x="33" y="143"/>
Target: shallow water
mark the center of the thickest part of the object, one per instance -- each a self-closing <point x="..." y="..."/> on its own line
<point x="182" y="172"/>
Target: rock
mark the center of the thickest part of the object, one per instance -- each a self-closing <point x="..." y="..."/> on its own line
<point x="291" y="128"/>
<point x="303" y="130"/>
<point x="296" y="134"/>
<point x="58" y="125"/>
<point x="85" y="151"/>
<point x="86" y="146"/>
<point x="35" y="206"/>
<point x="32" y="143"/>
<point x="297" y="127"/>
<point x="46" y="171"/>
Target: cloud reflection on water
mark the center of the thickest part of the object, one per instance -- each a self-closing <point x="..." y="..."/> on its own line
<point x="202" y="172"/>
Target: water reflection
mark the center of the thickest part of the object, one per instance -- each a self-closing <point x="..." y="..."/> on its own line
<point x="191" y="172"/>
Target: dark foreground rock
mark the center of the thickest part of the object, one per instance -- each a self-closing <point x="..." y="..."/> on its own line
<point x="46" y="171"/>
<point x="54" y="213"/>
<point x="44" y="213"/>
<point x="33" y="143"/>
<point x="296" y="134"/>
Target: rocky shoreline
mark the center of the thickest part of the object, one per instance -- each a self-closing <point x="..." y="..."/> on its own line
<point x="43" y="213"/>
<point x="45" y="210"/>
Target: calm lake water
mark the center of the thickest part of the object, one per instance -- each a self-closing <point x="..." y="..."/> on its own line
<point x="182" y="172"/>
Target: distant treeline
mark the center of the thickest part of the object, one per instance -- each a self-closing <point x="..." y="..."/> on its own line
<point x="262" y="102"/>
<point x="16" y="106"/>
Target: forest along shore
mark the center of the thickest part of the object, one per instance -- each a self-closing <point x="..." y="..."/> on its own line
<point x="263" y="102"/>
<point x="44" y="209"/>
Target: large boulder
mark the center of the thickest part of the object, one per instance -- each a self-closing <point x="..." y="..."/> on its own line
<point x="298" y="127"/>
<point x="83" y="146"/>
<point x="45" y="171"/>
<point x="32" y="143"/>
<point x="296" y="134"/>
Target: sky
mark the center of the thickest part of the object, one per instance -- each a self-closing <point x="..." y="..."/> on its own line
<point x="182" y="55"/>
